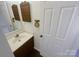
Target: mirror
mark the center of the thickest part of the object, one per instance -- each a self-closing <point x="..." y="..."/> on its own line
<point x="14" y="12"/>
<point x="11" y="14"/>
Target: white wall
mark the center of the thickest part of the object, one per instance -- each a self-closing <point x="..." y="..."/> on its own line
<point x="28" y="26"/>
<point x="4" y="18"/>
<point x="5" y="50"/>
<point x="35" y="14"/>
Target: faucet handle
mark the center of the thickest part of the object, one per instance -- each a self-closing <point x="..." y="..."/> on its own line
<point x="17" y="35"/>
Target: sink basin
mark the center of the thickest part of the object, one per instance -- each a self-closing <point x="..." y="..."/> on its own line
<point x="16" y="42"/>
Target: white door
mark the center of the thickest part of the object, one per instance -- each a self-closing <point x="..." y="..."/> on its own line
<point x="58" y="27"/>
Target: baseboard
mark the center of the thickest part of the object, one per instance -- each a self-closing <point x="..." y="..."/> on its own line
<point x="37" y="49"/>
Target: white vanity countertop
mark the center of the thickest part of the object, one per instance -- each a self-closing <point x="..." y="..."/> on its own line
<point x="15" y="43"/>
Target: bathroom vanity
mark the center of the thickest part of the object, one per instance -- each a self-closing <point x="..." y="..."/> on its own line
<point x="25" y="49"/>
<point x="22" y="45"/>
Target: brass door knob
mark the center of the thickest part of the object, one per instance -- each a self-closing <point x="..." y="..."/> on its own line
<point x="37" y="23"/>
